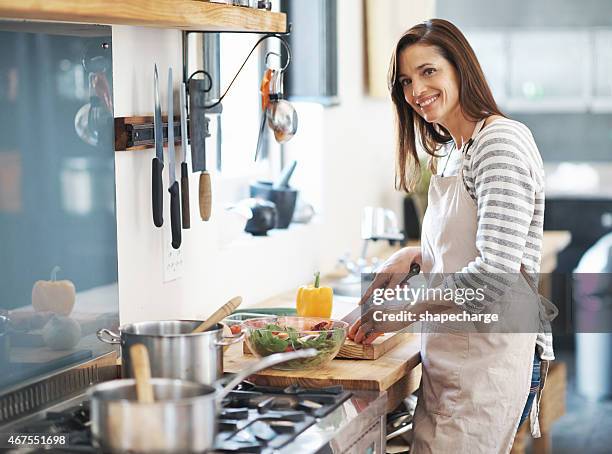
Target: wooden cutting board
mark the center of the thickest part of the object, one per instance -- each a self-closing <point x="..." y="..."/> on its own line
<point x="352" y="350"/>
<point x="379" y="374"/>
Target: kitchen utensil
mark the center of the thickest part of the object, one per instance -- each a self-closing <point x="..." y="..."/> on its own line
<point x="283" y="198"/>
<point x="282" y="117"/>
<point x="142" y="373"/>
<point x="269" y="335"/>
<point x="173" y="188"/>
<point x="158" y="160"/>
<point x="219" y="314"/>
<point x="285" y="176"/>
<point x="174" y="350"/>
<point x="264" y="216"/>
<point x="352" y="317"/>
<point x="265" y="99"/>
<point x="198" y="132"/>
<point x="380" y="224"/>
<point x="182" y="419"/>
<point x="184" y="170"/>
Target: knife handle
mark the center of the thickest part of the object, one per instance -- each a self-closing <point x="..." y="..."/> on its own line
<point x="205" y="196"/>
<point x="157" y="191"/>
<point x="185" y="195"/>
<point x="175" y="215"/>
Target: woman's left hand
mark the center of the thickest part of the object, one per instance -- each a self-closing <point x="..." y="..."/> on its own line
<point x="364" y="333"/>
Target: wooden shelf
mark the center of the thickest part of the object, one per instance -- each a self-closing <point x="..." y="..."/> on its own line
<point x="179" y="14"/>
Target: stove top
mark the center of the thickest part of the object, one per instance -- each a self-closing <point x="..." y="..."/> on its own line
<point x="254" y="419"/>
<point x="259" y="418"/>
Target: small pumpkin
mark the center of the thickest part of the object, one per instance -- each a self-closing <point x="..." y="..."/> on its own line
<point x="53" y="295"/>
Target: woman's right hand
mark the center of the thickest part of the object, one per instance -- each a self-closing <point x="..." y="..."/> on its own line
<point x="391" y="274"/>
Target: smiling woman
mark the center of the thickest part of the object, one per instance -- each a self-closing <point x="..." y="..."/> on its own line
<point x="442" y="69"/>
<point x="482" y="231"/>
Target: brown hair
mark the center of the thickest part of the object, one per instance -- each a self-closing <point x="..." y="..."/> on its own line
<point x="475" y="97"/>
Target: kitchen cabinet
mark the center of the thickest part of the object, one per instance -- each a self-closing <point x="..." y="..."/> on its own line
<point x="179" y="14"/>
<point x="602" y="96"/>
<point x="549" y="70"/>
<point x="492" y="51"/>
<point x="546" y="70"/>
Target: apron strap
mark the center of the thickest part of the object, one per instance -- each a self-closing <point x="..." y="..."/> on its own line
<point x="534" y="414"/>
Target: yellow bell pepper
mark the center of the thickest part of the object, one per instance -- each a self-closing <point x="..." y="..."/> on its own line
<point x="314" y="301"/>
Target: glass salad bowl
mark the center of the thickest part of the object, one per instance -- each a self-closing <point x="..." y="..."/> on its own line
<point x="268" y="335"/>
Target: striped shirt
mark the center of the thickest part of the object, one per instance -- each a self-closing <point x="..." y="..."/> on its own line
<point x="503" y="173"/>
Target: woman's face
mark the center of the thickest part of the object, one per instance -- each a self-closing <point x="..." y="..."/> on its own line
<point x="430" y="83"/>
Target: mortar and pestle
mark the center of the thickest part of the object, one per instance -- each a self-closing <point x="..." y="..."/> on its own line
<point x="280" y="194"/>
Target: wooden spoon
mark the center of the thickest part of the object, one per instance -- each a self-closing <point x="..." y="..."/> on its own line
<point x="142" y="373"/>
<point x="219" y="314"/>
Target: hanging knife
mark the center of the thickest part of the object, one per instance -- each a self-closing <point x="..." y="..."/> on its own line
<point x="173" y="189"/>
<point x="158" y="160"/>
<point x="198" y="128"/>
<point x="184" y="170"/>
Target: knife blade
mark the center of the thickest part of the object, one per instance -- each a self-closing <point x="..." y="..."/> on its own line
<point x="355" y="314"/>
<point x="158" y="160"/>
<point x="173" y="188"/>
<point x="184" y="170"/>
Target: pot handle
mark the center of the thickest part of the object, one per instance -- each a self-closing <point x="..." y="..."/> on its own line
<point x="114" y="337"/>
<point x="230" y="340"/>
<point x="266" y="362"/>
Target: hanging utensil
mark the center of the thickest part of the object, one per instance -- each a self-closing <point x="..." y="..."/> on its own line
<point x="219" y="314"/>
<point x="142" y="373"/>
<point x="158" y="160"/>
<point x="265" y="100"/>
<point x="184" y="170"/>
<point x="173" y="188"/>
<point x="198" y="132"/>
<point x="282" y="117"/>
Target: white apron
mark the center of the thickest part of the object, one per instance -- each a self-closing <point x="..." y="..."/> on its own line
<point x="474" y="385"/>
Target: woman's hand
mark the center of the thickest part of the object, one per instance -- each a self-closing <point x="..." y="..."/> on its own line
<point x="392" y="273"/>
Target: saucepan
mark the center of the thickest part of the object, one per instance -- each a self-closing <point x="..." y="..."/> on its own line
<point x="175" y="351"/>
<point x="182" y="418"/>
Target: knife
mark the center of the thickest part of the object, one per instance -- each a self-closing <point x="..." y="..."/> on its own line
<point x="198" y="133"/>
<point x="352" y="316"/>
<point x="158" y="160"/>
<point x="173" y="188"/>
<point x="184" y="170"/>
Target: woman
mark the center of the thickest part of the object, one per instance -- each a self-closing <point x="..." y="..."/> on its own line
<point x="483" y="225"/>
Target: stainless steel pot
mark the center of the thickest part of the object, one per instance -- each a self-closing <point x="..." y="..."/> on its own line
<point x="181" y="420"/>
<point x="174" y="351"/>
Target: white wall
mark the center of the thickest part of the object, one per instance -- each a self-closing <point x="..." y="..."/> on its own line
<point x="352" y="158"/>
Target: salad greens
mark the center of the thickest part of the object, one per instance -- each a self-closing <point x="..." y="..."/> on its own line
<point x="275" y="339"/>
